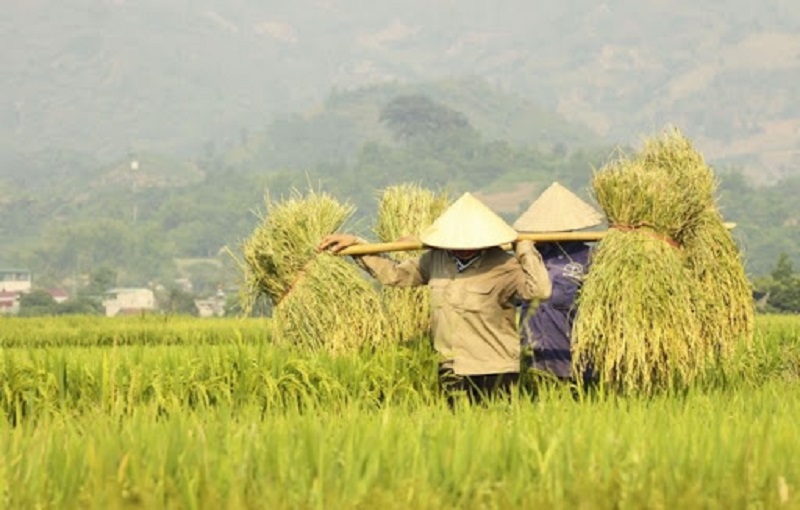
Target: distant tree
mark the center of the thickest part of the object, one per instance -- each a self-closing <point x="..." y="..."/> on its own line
<point x="782" y="287"/>
<point x="101" y="280"/>
<point x="179" y="302"/>
<point x="419" y="117"/>
<point x="784" y="269"/>
<point x="205" y="277"/>
<point x="81" y="305"/>
<point x="37" y="302"/>
<point x="559" y="150"/>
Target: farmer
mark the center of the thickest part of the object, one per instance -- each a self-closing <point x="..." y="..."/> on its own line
<point x="547" y="327"/>
<point x="474" y="284"/>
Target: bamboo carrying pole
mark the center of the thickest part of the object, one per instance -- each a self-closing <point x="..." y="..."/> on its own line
<point x="368" y="249"/>
<point x="543" y="237"/>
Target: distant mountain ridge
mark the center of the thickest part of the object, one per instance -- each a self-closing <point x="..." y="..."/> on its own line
<point x="111" y="77"/>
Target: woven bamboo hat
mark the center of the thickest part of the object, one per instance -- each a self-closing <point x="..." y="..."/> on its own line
<point x="468" y="224"/>
<point x="558" y="210"/>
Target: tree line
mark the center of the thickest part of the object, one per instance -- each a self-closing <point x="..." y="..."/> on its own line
<point x="139" y="234"/>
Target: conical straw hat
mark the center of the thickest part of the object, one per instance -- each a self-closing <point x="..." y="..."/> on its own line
<point x="558" y="210"/>
<point x="468" y="225"/>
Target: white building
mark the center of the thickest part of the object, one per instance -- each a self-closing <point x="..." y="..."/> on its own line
<point x="9" y="302"/>
<point x="15" y="280"/>
<point x="125" y="301"/>
<point x="211" y="307"/>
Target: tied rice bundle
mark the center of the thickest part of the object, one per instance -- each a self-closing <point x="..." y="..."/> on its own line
<point x="636" y="325"/>
<point x="636" y="328"/>
<point x="407" y="209"/>
<point x="319" y="299"/>
<point x="722" y="294"/>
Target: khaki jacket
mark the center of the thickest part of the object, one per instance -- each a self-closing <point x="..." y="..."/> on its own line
<point x="473" y="318"/>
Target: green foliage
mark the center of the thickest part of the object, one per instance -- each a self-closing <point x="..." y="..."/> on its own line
<point x="767" y="219"/>
<point x="100" y="280"/>
<point x="80" y="305"/>
<point x="37" y="302"/>
<point x="784" y="270"/>
<point x="417" y="117"/>
<point x="782" y="287"/>
<point x="177" y="301"/>
<point x="66" y="214"/>
<point x="137" y="254"/>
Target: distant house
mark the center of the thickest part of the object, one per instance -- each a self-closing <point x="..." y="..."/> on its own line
<point x="211" y="307"/>
<point x="59" y="295"/>
<point x="15" y="280"/>
<point x="127" y="301"/>
<point x="9" y="302"/>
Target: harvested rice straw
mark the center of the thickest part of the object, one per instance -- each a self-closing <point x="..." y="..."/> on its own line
<point x="722" y="293"/>
<point x="407" y="209"/>
<point x="319" y="299"/>
<point x="636" y="193"/>
<point x="681" y="165"/>
<point x="635" y="325"/>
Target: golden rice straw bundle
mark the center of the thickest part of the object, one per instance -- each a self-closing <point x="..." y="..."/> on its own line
<point x="406" y="210"/>
<point x="722" y="294"/>
<point x="635" y="326"/>
<point x="319" y="299"/>
<point x="673" y="155"/>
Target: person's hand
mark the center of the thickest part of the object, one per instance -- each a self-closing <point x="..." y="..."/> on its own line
<point x="336" y="242"/>
<point x="407" y="239"/>
<point x="523" y="247"/>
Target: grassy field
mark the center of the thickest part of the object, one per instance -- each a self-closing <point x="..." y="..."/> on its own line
<point x="185" y="413"/>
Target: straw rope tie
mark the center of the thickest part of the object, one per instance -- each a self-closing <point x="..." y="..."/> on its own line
<point x="647" y="229"/>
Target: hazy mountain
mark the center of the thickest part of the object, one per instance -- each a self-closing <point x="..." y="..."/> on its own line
<point x="116" y="76"/>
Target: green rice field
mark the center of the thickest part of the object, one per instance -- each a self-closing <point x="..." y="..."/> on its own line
<point x="169" y="412"/>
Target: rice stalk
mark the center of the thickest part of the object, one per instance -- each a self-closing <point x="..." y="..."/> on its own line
<point x="406" y="210"/>
<point x="722" y="294"/>
<point x="635" y="328"/>
<point x="319" y="300"/>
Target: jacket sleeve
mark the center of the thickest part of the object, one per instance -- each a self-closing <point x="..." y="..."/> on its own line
<point x="532" y="282"/>
<point x="408" y="273"/>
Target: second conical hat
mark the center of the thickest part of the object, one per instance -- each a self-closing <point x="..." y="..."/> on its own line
<point x="558" y="210"/>
<point x="468" y="224"/>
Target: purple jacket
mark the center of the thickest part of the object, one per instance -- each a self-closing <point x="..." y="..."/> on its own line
<point x="548" y="328"/>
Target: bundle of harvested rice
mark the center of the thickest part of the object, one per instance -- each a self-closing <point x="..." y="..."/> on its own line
<point x="680" y="165"/>
<point x="406" y="210"/>
<point x="722" y="294"/>
<point x="636" y="327"/>
<point x="319" y="299"/>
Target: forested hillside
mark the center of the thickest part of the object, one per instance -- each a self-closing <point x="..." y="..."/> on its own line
<point x="67" y="214"/>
